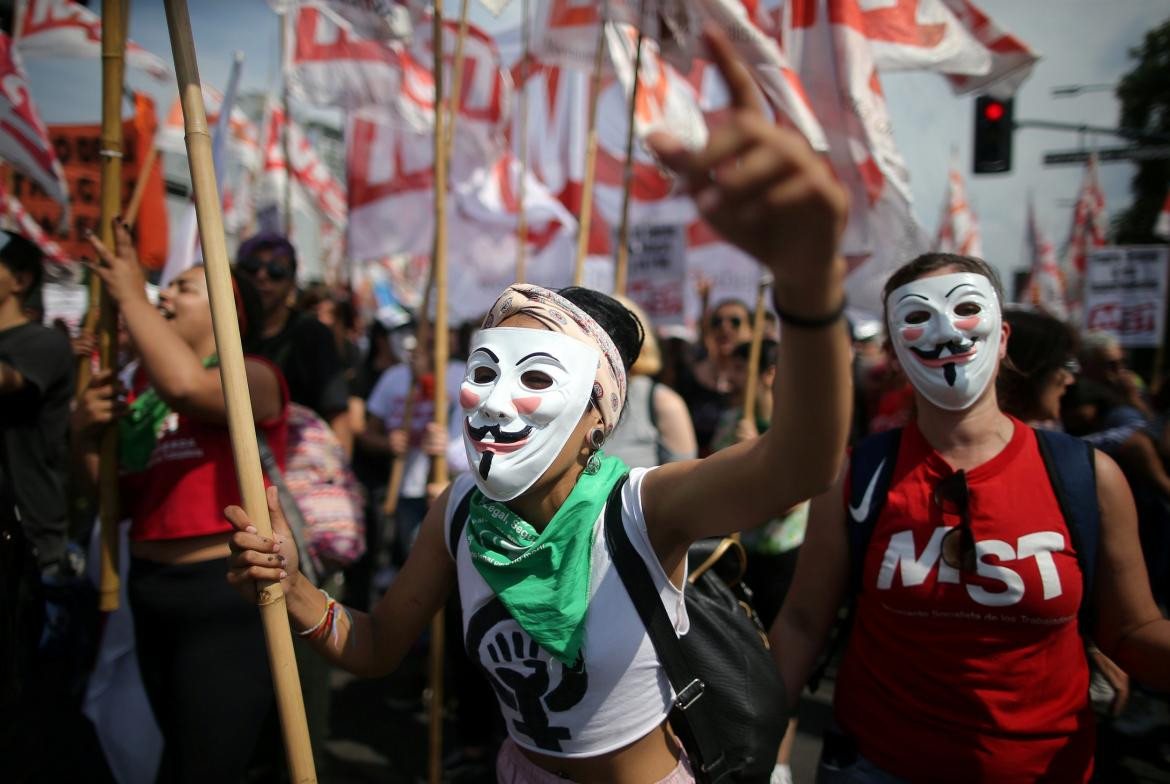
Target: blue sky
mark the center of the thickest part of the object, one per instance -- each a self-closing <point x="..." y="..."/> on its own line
<point x="1081" y="41"/>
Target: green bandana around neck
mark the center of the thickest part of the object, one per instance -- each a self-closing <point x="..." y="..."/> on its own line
<point x="542" y="577"/>
<point x="139" y="429"/>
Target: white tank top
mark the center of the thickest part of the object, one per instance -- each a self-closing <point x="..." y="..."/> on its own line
<point x="618" y="693"/>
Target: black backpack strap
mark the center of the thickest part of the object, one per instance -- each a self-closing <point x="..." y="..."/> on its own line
<point x="871" y="466"/>
<point x="1072" y="470"/>
<point x="689" y="718"/>
<point x="458" y="522"/>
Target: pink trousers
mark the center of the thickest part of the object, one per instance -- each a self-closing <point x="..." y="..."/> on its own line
<point x="512" y="767"/>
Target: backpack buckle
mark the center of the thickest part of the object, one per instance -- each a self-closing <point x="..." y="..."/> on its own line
<point x="691" y="692"/>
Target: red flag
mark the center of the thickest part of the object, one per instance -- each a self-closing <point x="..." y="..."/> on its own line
<point x="958" y="231"/>
<point x="1088" y="230"/>
<point x="1046" y="285"/>
<point x="61" y="28"/>
<point x="27" y="225"/>
<point x="24" y="140"/>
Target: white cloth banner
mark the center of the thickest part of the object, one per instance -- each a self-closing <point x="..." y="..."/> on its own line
<point x="62" y="28"/>
<point x="1125" y="293"/>
<point x="24" y="140"/>
<point x="1011" y="58"/>
<point x="1046" y="287"/>
<point x="658" y="272"/>
<point x="958" y="230"/>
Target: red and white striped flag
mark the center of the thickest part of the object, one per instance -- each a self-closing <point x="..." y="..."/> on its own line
<point x="1162" y="224"/>
<point x="918" y="35"/>
<point x="62" y="28"/>
<point x="24" y="140"/>
<point x="1011" y="59"/>
<point x="1088" y="231"/>
<point x="958" y="231"/>
<point x="1046" y="286"/>
<point x="11" y="208"/>
<point x="313" y="184"/>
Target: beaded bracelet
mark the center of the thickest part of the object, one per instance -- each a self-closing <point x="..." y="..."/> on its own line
<point x="817" y="322"/>
<point x="314" y="631"/>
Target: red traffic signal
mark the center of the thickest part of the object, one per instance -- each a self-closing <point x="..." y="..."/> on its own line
<point x="993" y="135"/>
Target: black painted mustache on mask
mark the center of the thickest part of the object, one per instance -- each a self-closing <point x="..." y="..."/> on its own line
<point x="500" y="436"/>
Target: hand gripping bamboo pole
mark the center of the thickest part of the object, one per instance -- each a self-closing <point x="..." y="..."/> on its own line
<point x="753" y="377"/>
<point x="438" y="463"/>
<point x="113" y="49"/>
<point x="622" y="265"/>
<point x="590" y="159"/>
<point x="239" y="408"/>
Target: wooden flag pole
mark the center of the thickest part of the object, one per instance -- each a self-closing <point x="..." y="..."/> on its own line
<point x="241" y="426"/>
<point x="521" y="214"/>
<point x="439" y="462"/>
<point x="750" y="392"/>
<point x="113" y="52"/>
<point x="139" y="191"/>
<point x="622" y="265"/>
<point x="590" y="159"/>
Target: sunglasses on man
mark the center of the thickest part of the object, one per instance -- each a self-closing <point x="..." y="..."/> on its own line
<point x="277" y="269"/>
<point x="735" y="322"/>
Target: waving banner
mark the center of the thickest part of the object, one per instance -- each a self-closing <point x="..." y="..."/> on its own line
<point x="62" y="28"/>
<point x="24" y="141"/>
<point x="958" y="231"/>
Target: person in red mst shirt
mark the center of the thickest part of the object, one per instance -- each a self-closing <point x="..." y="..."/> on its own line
<point x="965" y="661"/>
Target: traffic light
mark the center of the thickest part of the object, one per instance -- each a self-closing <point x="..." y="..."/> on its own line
<point x="993" y="135"/>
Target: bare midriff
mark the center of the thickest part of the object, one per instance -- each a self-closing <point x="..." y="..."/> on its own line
<point x="650" y="758"/>
<point x="178" y="551"/>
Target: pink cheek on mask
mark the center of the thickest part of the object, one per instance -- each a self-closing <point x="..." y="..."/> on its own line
<point x="468" y="399"/>
<point x="911" y="335"/>
<point x="967" y="323"/>
<point x="526" y="405"/>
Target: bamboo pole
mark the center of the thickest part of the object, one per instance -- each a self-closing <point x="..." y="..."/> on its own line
<point x="439" y="462"/>
<point x="622" y="266"/>
<point x="521" y="213"/>
<point x="139" y="191"/>
<point x="113" y="51"/>
<point x="753" y="375"/>
<point x="241" y="426"/>
<point x="590" y="159"/>
<point x="394" y="486"/>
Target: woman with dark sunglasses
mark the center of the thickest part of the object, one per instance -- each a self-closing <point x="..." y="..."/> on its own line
<point x="965" y="660"/>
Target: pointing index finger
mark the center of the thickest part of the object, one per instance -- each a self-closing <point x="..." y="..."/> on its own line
<point x="733" y="69"/>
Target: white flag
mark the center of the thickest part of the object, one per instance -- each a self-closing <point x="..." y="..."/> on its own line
<point x="958" y="230"/>
<point x="62" y="28"/>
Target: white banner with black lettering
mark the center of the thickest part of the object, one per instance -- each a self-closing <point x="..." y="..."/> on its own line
<point x="1125" y="293"/>
<point x="658" y="271"/>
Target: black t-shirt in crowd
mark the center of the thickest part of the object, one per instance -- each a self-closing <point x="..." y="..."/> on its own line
<point x="33" y="425"/>
<point x="308" y="357"/>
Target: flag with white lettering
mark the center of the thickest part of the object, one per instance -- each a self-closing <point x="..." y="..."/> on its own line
<point x="24" y="140"/>
<point x="62" y="28"/>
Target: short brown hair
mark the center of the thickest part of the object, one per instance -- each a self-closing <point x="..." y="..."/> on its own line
<point x="929" y="262"/>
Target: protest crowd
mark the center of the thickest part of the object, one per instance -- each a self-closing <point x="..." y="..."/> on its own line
<point x="629" y="548"/>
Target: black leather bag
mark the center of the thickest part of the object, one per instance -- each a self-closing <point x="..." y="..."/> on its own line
<point x="730" y="707"/>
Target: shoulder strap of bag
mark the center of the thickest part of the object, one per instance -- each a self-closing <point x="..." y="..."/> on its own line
<point x="459" y="522"/>
<point x="1072" y="470"/>
<point x="871" y="466"/>
<point x="311" y="566"/>
<point x="690" y="720"/>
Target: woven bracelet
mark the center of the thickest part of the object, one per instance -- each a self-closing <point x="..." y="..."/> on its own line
<point x="324" y="616"/>
<point x="816" y="322"/>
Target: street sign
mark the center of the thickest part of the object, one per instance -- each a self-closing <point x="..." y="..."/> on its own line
<point x="1134" y="153"/>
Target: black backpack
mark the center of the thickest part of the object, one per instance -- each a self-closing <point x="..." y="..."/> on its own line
<point x="730" y="708"/>
<point x="1071" y="469"/>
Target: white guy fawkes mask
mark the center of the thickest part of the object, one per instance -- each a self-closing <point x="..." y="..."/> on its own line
<point x="522" y="397"/>
<point x="946" y="333"/>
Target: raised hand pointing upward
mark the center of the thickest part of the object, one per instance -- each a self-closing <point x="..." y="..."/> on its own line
<point x="766" y="191"/>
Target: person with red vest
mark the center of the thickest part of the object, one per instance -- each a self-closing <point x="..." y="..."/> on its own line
<point x="199" y="648"/>
<point x="965" y="661"/>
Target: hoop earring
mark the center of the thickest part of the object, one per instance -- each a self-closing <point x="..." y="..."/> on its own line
<point x="596" y="438"/>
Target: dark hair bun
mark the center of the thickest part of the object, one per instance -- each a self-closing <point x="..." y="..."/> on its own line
<point x="612" y="316"/>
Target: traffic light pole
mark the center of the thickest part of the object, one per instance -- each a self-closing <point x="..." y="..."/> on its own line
<point x="1124" y="133"/>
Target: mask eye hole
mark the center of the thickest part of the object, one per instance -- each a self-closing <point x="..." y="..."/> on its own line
<point x="917" y="317"/>
<point x="536" y="379"/>
<point x="483" y="375"/>
<point x="968" y="309"/>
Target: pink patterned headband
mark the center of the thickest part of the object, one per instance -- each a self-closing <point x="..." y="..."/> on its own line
<point x="560" y="315"/>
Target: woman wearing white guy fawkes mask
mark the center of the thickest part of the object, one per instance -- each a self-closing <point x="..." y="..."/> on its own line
<point x="965" y="660"/>
<point x="577" y="678"/>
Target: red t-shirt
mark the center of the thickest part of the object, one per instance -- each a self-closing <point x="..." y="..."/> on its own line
<point x="970" y="677"/>
<point x="191" y="476"/>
